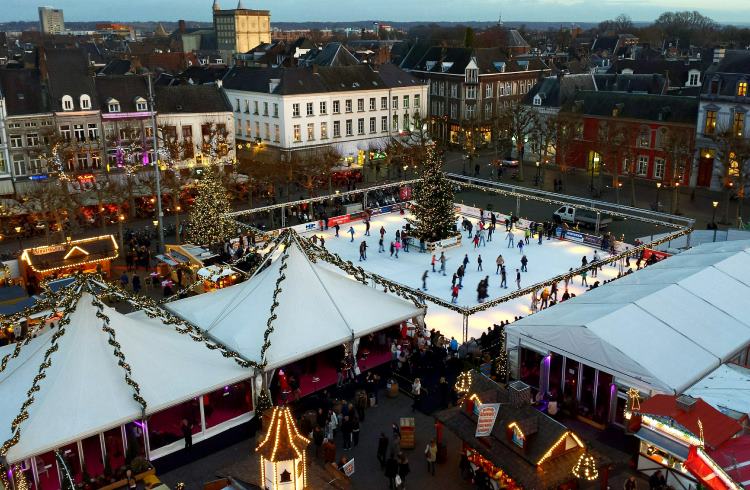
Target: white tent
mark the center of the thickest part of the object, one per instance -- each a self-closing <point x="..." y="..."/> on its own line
<point x="84" y="392"/>
<point x="727" y="388"/>
<point x="662" y="328"/>
<point x="318" y="309"/>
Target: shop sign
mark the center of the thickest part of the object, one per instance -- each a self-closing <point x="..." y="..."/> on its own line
<point x="574" y="236"/>
<point x="594" y="241"/>
<point x="305" y="227"/>
<point x="487" y="416"/>
<point x="337" y="220"/>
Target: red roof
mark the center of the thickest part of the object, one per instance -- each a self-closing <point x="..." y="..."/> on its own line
<point x="734" y="457"/>
<point x="717" y="427"/>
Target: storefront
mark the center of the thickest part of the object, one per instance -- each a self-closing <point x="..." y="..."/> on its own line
<point x="181" y="263"/>
<point x="87" y="255"/>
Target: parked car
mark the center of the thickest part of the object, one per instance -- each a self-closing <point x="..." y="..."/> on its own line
<point x="509" y="162"/>
<point x="585" y="217"/>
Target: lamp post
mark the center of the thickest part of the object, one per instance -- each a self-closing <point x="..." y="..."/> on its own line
<point x="157" y="170"/>
<point x="715" y="205"/>
<point x="617" y="191"/>
<point x="20" y="240"/>
<point x="594" y="165"/>
<point x="658" y="188"/>
<point x="538" y="174"/>
<point x="120" y="220"/>
<point x="177" y="210"/>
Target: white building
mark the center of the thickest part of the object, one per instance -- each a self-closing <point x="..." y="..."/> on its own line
<point x="724" y="104"/>
<point x="351" y="108"/>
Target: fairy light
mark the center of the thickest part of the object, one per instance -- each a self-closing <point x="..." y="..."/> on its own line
<point x="681" y="435"/>
<point x="551" y="450"/>
<point x="718" y="470"/>
<point x="517" y="429"/>
<point x="463" y="382"/>
<point x="577" y="439"/>
<point x="26" y="256"/>
<point x="585" y="468"/>
<point x="283" y="430"/>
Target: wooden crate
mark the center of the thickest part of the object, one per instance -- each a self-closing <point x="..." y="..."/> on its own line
<point x="408" y="436"/>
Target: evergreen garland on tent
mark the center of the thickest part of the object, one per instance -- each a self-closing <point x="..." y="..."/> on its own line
<point x="208" y="224"/>
<point x="501" y="369"/>
<point x="434" y="217"/>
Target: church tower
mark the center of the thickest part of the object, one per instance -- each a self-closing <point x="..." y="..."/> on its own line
<point x="240" y="30"/>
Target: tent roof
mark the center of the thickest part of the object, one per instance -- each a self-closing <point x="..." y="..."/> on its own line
<point x="664" y="327"/>
<point x="318" y="309"/>
<point x="84" y="391"/>
<point x="726" y="388"/>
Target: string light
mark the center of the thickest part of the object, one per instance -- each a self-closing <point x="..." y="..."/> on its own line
<point x="433" y="207"/>
<point x="26" y="256"/>
<point x="585" y="468"/>
<point x="557" y="444"/>
<point x="517" y="429"/>
<point x="282" y="432"/>
<point x="463" y="382"/>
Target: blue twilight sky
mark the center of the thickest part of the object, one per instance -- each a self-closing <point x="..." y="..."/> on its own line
<point x="729" y="11"/>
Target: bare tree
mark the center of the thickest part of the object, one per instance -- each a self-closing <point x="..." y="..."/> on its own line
<point x="563" y="127"/>
<point x="518" y="121"/>
<point x="677" y="147"/>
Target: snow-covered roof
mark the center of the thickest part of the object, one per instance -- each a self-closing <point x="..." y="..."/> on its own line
<point x="661" y="328"/>
<point x="319" y="308"/>
<point x="84" y="391"/>
<point x="726" y="388"/>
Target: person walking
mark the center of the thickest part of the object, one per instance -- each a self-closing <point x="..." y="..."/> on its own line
<point x="124" y="280"/>
<point x="355" y="430"/>
<point x="382" y="449"/>
<point x="499" y="261"/>
<point x="403" y="468"/>
<point x="518" y="278"/>
<point x="545" y="297"/>
<point x="534" y="302"/>
<point x="187" y="433"/>
<point x="503" y="278"/>
<point x="553" y="291"/>
<point x="351" y="232"/>
<point x="416" y="393"/>
<point x="479" y="263"/>
<point x="433" y="262"/>
<point x="346" y="432"/>
<point x="509" y="237"/>
<point x="442" y="262"/>
<point x="430" y="453"/>
<point x="524" y="263"/>
<point x="391" y="471"/>
<point x="424" y="280"/>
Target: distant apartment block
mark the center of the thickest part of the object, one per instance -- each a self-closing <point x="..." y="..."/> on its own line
<point x="51" y="20"/>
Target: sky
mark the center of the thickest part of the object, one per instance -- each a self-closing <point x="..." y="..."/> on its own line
<point x="724" y="11"/>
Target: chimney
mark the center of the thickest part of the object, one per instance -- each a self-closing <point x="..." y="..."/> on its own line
<point x="519" y="393"/>
<point x="181" y="25"/>
<point x="686" y="403"/>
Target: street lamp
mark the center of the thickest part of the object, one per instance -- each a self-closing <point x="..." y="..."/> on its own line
<point x="658" y="188"/>
<point x="617" y="191"/>
<point x="594" y="167"/>
<point x="538" y="174"/>
<point x="20" y="241"/>
<point x="177" y="210"/>
<point x="715" y="204"/>
<point x="120" y="220"/>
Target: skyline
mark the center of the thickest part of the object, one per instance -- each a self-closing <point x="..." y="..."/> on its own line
<point x="563" y="11"/>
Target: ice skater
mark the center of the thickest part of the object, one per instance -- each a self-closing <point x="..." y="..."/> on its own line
<point x="433" y="262"/>
<point x="482" y="239"/>
<point x="466" y="260"/>
<point x="524" y="263"/>
<point x="518" y="278"/>
<point x="503" y="278"/>
<point x="499" y="261"/>
<point x="382" y="231"/>
<point x="322" y="242"/>
<point x="583" y="278"/>
<point x="534" y="302"/>
<point x="490" y="231"/>
<point x="397" y="245"/>
<point x="424" y="280"/>
<point x="442" y="262"/>
<point x="363" y="251"/>
<point x="526" y="236"/>
<point x="476" y="240"/>
<point x="367" y="227"/>
<point x="393" y="248"/>
<point x="553" y="291"/>
<point x="381" y="248"/>
<point x="460" y="273"/>
<point x="545" y="298"/>
<point x="520" y="246"/>
<point x="454" y="294"/>
<point x="337" y="228"/>
<point x="479" y="263"/>
<point x="351" y="232"/>
<point x="510" y="238"/>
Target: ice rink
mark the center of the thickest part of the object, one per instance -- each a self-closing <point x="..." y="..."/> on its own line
<point x="551" y="258"/>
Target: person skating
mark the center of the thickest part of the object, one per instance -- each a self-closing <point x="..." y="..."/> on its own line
<point x="503" y="278"/>
<point x="499" y="261"/>
<point x="460" y="273"/>
<point x="397" y="245"/>
<point x="454" y="293"/>
<point x="465" y="261"/>
<point x="405" y="241"/>
<point x="363" y="251"/>
<point x="510" y="238"/>
<point x="526" y="236"/>
<point x="442" y="262"/>
<point x="454" y="279"/>
<point x="337" y="228"/>
<point x="367" y="227"/>
<point x="545" y="297"/>
<point x="351" y="232"/>
<point x="433" y="262"/>
<point x="524" y="263"/>
<point x="381" y="248"/>
<point x="518" y="278"/>
<point x="553" y="291"/>
<point x="490" y="231"/>
<point x="482" y="239"/>
<point x="424" y="279"/>
<point x="583" y="278"/>
<point x="534" y="302"/>
<point x="322" y="242"/>
<point x="520" y="246"/>
<point x="393" y="248"/>
<point x="479" y="263"/>
<point x="476" y="240"/>
<point x="584" y="261"/>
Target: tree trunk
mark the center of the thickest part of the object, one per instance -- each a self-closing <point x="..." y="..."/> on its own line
<point x="520" y="167"/>
<point x="675" y="199"/>
<point x="727" y="200"/>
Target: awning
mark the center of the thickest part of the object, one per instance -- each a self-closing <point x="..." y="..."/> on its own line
<point x="662" y="442"/>
<point x="708" y="472"/>
<point x="167" y="260"/>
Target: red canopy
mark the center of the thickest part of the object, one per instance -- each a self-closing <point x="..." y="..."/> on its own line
<point x="734" y="457"/>
<point x="707" y="471"/>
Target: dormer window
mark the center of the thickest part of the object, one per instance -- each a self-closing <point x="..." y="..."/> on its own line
<point x="113" y="105"/>
<point x="537" y="100"/>
<point x="85" y="102"/>
<point x="446" y="65"/>
<point x="715" y="86"/>
<point x="694" y="78"/>
<point x="140" y="104"/>
<point x="472" y="75"/>
<point x="67" y="103"/>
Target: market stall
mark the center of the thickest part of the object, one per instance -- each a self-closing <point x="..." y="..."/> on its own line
<point x="181" y="263"/>
<point x="520" y="447"/>
<point x="63" y="259"/>
<point x="217" y="277"/>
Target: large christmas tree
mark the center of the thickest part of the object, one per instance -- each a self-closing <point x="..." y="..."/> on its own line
<point x="208" y="224"/>
<point x="434" y="217"/>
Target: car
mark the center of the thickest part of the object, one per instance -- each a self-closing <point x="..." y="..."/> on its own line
<point x="509" y="162"/>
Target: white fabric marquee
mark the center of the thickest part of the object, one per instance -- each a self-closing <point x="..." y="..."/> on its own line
<point x="662" y="328"/>
<point x="726" y="388"/>
<point x="84" y="391"/>
<point x="318" y="309"/>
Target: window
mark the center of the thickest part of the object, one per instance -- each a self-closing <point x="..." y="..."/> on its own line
<point x="373" y="125"/>
<point x="16" y="141"/>
<point x="472" y="75"/>
<point x="694" y="78"/>
<point x="19" y="164"/>
<point x="297" y="133"/>
<point x="67" y="103"/>
<point x="384" y="124"/>
<point x="324" y="130"/>
<point x="373" y="104"/>
<point x="141" y="105"/>
<point x="471" y="92"/>
<point x="336" y="107"/>
<point x="348" y="105"/>
<point x="454" y="110"/>
<point x="742" y="88"/>
<point x="96" y="161"/>
<point x="267" y="131"/>
<point x="65" y="132"/>
<point x="79" y="132"/>
<point x="14" y="125"/>
<point x="32" y="139"/>
<point x="255" y="107"/>
<point x="433" y="88"/>
<point x="348" y="127"/>
<point x="323" y="108"/>
<point x="247" y="106"/>
<point x="487" y="110"/>
<point x="310" y="111"/>
<point x="661" y="137"/>
<point x="406" y="101"/>
<point x="488" y="91"/>
<point x="83" y="161"/>
<point x="295" y="110"/>
<point x="710" y="126"/>
<point x="248" y="129"/>
<point x="257" y="129"/>
<point x="361" y="126"/>
<point x="337" y="129"/>
<point x="454" y="90"/>
<point x="384" y="103"/>
<point x="310" y="131"/>
<point x="738" y="124"/>
<point x="113" y="105"/>
<point x="406" y="121"/>
<point x="659" y="168"/>
<point x="395" y="122"/>
<point x="276" y="133"/>
<point x="85" y="101"/>
<point x="35" y="166"/>
<point x="471" y="111"/>
<point x="394" y="102"/>
<point x="3" y="169"/>
<point x="360" y="105"/>
<point x="94" y="131"/>
<point x="416" y="101"/>
<point x="265" y="109"/>
<point x="642" y="168"/>
<point x="644" y="137"/>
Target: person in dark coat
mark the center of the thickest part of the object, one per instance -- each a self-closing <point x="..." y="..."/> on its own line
<point x="382" y="449"/>
<point x="187" y="432"/>
<point x="391" y="470"/>
<point x="403" y="468"/>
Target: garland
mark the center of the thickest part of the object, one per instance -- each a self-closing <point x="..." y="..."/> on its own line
<point x="274" y="303"/>
<point x="119" y="355"/>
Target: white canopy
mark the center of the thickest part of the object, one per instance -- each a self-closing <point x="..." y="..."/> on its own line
<point x="726" y="388"/>
<point x="318" y="309"/>
<point x="662" y="328"/>
<point x="84" y="392"/>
